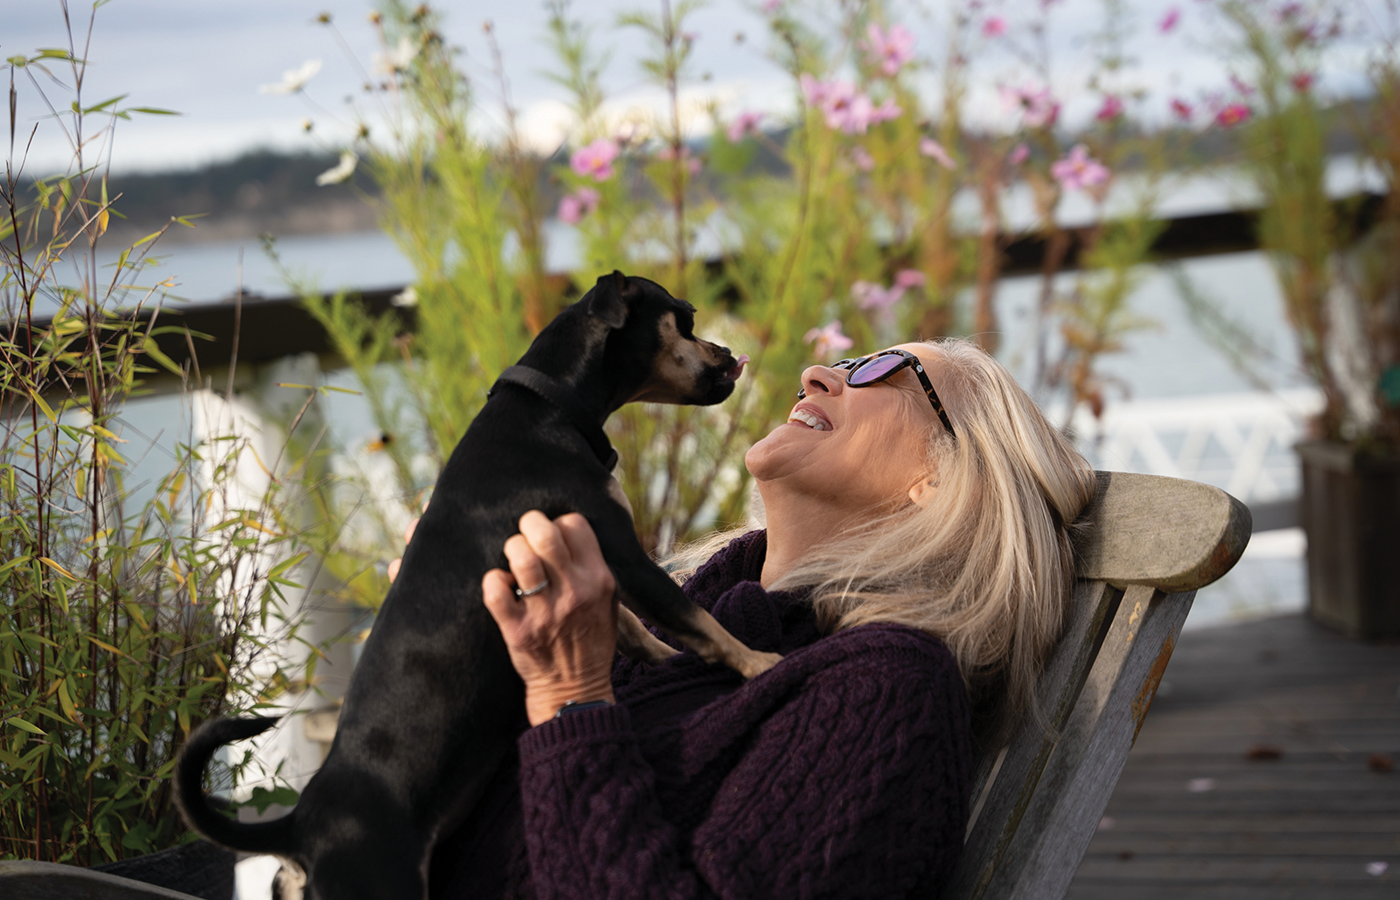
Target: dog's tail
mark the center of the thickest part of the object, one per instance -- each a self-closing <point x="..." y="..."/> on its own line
<point x="205" y="814"/>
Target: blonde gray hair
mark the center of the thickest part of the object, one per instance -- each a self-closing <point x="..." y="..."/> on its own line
<point x="985" y="563"/>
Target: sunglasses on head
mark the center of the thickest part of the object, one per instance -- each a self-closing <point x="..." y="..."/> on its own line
<point x="868" y="370"/>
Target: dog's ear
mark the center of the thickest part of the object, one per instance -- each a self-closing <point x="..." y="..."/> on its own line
<point x="605" y="301"/>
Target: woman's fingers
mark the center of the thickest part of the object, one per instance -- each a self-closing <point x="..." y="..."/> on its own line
<point x="525" y="563"/>
<point x="498" y="590"/>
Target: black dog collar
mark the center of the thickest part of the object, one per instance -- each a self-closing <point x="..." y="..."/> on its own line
<point x="567" y="403"/>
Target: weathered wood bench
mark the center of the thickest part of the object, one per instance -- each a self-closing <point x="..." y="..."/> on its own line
<point x="1150" y="543"/>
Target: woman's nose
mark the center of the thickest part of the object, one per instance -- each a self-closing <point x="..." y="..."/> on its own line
<point x="821" y="379"/>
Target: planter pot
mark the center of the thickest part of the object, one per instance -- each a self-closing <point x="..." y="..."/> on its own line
<point x="1351" y="513"/>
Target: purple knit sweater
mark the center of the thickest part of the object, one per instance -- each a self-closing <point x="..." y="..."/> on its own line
<point x="845" y="771"/>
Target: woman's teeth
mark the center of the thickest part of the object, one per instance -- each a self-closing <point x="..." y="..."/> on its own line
<point x="807" y="419"/>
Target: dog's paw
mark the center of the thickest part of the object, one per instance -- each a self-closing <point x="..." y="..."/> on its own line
<point x="753" y="663"/>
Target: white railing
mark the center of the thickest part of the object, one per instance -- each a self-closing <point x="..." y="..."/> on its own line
<point x="1242" y="443"/>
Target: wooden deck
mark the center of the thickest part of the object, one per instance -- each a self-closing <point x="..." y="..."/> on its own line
<point x="1201" y="812"/>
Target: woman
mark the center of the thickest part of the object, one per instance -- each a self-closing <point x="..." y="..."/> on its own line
<point x="917" y="549"/>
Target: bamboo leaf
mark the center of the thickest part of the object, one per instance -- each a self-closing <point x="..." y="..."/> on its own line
<point x="43" y="407"/>
<point x="58" y="568"/>
<point x="108" y="647"/>
<point x="65" y="700"/>
<point x="155" y="353"/>
<point x="286" y="564"/>
<point x="25" y="726"/>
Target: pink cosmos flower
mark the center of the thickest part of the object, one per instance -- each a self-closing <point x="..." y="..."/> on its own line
<point x="596" y="160"/>
<point x="871" y="296"/>
<point x="890" y="50"/>
<point x="1111" y="109"/>
<point x="934" y="150"/>
<point x="813" y="91"/>
<point x="995" y="26"/>
<point x="771" y="7"/>
<point x="886" y="111"/>
<point x="1170" y="20"/>
<point x="828" y="340"/>
<point x="1239" y="85"/>
<point x="1019" y="154"/>
<point x="1302" y="82"/>
<point x="862" y="159"/>
<point x="909" y="278"/>
<point x="1181" y="109"/>
<point x="575" y="206"/>
<point x="745" y="124"/>
<point x="844" y="107"/>
<point x="1079" y="170"/>
<point x="1233" y="114"/>
<point x="1038" y="108"/>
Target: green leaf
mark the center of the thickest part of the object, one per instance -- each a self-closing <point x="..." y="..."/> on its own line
<point x="52" y="53"/>
<point x="286" y="564"/>
<point x="25" y="726"/>
<point x="43" y="407"/>
<point x="103" y="105"/>
<point x="66" y="701"/>
<point x="262" y="798"/>
<point x="154" y="352"/>
<point x="154" y="111"/>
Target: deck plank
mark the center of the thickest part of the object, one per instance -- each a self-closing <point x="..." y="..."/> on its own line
<point x="1305" y="825"/>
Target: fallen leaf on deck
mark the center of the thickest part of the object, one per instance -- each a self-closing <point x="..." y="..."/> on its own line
<point x="1377" y="868"/>
<point x="1264" y="751"/>
<point x="1200" y="785"/>
<point x="1107" y="823"/>
<point x="1380" y="762"/>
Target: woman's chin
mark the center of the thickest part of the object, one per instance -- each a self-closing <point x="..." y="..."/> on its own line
<point x="766" y="459"/>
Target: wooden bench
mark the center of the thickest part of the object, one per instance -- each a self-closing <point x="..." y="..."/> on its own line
<point x="1150" y="543"/>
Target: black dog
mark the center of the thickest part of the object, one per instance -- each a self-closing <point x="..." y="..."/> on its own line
<point x="434" y="704"/>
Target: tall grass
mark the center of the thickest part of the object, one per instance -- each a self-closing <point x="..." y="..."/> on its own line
<point x="128" y="615"/>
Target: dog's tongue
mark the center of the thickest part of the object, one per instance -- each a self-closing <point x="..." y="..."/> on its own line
<point x="738" y="369"/>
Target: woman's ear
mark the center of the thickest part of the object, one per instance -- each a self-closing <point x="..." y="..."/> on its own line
<point x="923" y="490"/>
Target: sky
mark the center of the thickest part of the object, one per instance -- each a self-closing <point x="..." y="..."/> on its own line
<point x="207" y="58"/>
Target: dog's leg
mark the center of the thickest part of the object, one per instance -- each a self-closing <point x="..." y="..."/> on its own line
<point x="644" y="588"/>
<point x="637" y="643"/>
<point x="290" y="881"/>
<point x="698" y="630"/>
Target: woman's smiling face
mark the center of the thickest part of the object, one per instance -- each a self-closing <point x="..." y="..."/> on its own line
<point x="856" y="449"/>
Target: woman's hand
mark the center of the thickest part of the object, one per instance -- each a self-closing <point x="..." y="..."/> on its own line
<point x="561" y="639"/>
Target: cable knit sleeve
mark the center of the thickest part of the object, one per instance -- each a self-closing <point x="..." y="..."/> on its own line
<point x="852" y="782"/>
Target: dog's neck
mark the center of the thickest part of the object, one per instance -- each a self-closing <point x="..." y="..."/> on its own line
<point x="573" y="358"/>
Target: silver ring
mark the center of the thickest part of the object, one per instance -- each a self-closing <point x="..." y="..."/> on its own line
<point x="532" y="591"/>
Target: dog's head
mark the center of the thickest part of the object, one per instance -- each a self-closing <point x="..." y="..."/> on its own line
<point x="651" y="350"/>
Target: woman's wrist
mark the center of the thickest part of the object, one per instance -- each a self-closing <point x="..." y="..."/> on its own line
<point x="541" y="705"/>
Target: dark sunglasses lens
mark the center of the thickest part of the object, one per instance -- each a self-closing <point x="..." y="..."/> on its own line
<point x="877" y="368"/>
